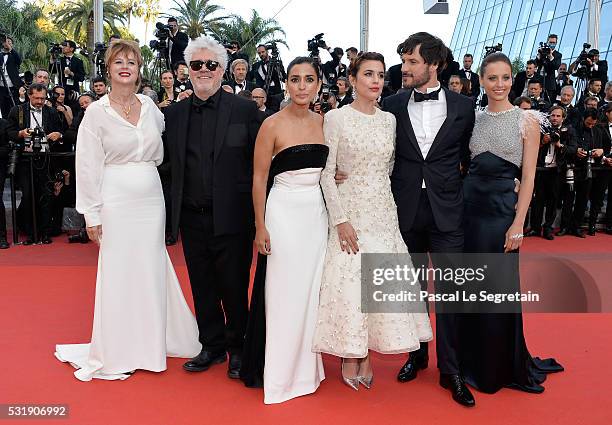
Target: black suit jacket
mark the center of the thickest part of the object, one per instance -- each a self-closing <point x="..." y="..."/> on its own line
<point x="330" y="73"/>
<point x="179" y="44"/>
<point x="550" y="67"/>
<point x="76" y="66"/>
<point x="518" y="85"/>
<point x="563" y="154"/>
<point x="602" y="72"/>
<point x="249" y="85"/>
<point x="440" y="169"/>
<point x="475" y="82"/>
<point x="4" y="140"/>
<point x="237" y="126"/>
<point x="260" y="81"/>
<point x="18" y="121"/>
<point x="452" y="68"/>
<point x="394" y="75"/>
<point x="13" y="63"/>
<point x="347" y="100"/>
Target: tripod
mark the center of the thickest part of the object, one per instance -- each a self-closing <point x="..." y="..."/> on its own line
<point x="56" y="73"/>
<point x="274" y="65"/>
<point x="161" y="59"/>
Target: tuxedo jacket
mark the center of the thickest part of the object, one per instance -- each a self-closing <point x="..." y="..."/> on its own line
<point x="4" y="140"/>
<point x="238" y="122"/>
<point x="550" y="67"/>
<point x="348" y="99"/>
<point x="76" y="66"/>
<point x="258" y="74"/>
<point x="440" y="169"/>
<point x="19" y="119"/>
<point x="249" y="85"/>
<point x="179" y="44"/>
<point x="563" y="154"/>
<point x="519" y="84"/>
<point x="13" y="62"/>
<point x="475" y="82"/>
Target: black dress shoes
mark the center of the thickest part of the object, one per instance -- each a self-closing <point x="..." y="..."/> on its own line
<point x="579" y="233"/>
<point x="235" y="363"/>
<point x="204" y="361"/>
<point x="4" y="243"/>
<point x="46" y="240"/>
<point x="562" y="231"/>
<point x="533" y="233"/>
<point x="461" y="393"/>
<point x="409" y="371"/>
<point x="592" y="230"/>
<point x="170" y="240"/>
<point x="548" y="235"/>
<point x="28" y="241"/>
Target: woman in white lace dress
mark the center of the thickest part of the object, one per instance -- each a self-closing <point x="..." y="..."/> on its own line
<point x="362" y="219"/>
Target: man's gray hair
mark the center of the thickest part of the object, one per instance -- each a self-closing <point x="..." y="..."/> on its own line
<point x="207" y="43"/>
<point x="568" y="87"/>
<point x="237" y="62"/>
<point x="608" y="85"/>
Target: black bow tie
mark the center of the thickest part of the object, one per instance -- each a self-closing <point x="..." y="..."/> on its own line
<point x="198" y="104"/>
<point x="419" y="97"/>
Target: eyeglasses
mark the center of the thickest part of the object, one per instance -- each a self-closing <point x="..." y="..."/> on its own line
<point x="197" y="65"/>
<point x="258" y="97"/>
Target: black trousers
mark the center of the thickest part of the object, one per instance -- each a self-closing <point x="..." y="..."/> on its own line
<point x="547" y="185"/>
<point x="601" y="182"/>
<point x="574" y="205"/>
<point x="422" y="239"/>
<point x="5" y="100"/>
<point x="3" y="165"/>
<point x="43" y="174"/>
<point x="219" y="268"/>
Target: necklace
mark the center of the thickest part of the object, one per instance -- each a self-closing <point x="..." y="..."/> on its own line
<point x="126" y="110"/>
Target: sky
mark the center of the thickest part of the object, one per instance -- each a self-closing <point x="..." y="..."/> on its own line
<point x="391" y="21"/>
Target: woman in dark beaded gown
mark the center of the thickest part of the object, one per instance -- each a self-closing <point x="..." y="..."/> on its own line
<point x="504" y="148"/>
<point x="291" y="238"/>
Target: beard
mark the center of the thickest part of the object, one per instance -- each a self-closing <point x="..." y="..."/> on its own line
<point x="418" y="80"/>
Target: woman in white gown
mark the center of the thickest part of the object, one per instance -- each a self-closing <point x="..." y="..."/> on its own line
<point x="140" y="314"/>
<point x="291" y="239"/>
<point x="362" y="219"/>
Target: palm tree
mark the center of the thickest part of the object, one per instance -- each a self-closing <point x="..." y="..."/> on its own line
<point x="195" y="16"/>
<point x="132" y="8"/>
<point x="75" y="18"/>
<point x="251" y="33"/>
<point x="150" y="13"/>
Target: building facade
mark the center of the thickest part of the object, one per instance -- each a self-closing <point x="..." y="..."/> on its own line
<point x="520" y="25"/>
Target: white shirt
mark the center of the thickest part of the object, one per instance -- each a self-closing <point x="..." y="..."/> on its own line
<point x="105" y="138"/>
<point x="239" y="87"/>
<point x="6" y="75"/>
<point x="36" y="119"/>
<point x="427" y="117"/>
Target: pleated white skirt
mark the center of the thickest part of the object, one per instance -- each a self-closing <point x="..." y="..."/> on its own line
<point x="140" y="314"/>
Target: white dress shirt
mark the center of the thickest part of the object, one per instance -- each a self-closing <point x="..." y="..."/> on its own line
<point x="36" y="119"/>
<point x="4" y="58"/>
<point x="427" y="117"/>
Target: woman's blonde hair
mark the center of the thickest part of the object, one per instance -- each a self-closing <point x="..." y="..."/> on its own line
<point x="118" y="47"/>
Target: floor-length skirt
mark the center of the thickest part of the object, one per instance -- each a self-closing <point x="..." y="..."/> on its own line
<point x="140" y="313"/>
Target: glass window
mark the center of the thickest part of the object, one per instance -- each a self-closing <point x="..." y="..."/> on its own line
<point x="494" y="19"/>
<point x="528" y="42"/>
<point x="471" y="8"/>
<point x="557" y="27"/>
<point x="481" y="5"/>
<point x="513" y="18"/>
<point x="542" y="36"/>
<point x="517" y="43"/>
<point x="568" y="39"/>
<point x="549" y="10"/>
<point x="562" y="7"/>
<point x="605" y="28"/>
<point x="577" y="5"/>
<point x="507" y="42"/>
<point x="581" y="38"/>
<point x="465" y="31"/>
<point x="524" y="14"/>
<point x="476" y="28"/>
<point x="478" y="53"/>
<point x="503" y="18"/>
<point x="462" y="8"/>
<point x="536" y="12"/>
<point x="486" y="23"/>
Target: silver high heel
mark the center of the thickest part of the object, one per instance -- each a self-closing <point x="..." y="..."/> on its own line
<point x="366" y="382"/>
<point x="351" y="382"/>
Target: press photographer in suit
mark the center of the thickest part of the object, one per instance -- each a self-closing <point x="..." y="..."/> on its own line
<point x="23" y="122"/>
<point x="177" y="42"/>
<point x="71" y="71"/>
<point x="548" y="61"/>
<point x="10" y="84"/>
<point x="521" y="81"/>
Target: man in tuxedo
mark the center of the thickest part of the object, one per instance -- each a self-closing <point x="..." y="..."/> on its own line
<point x="260" y="71"/>
<point x="334" y="69"/>
<point x="239" y="69"/>
<point x="22" y="120"/>
<point x="466" y="72"/>
<point x="260" y="97"/>
<point x="536" y="91"/>
<point x="563" y="79"/>
<point x="209" y="141"/>
<point x="566" y="95"/>
<point x="10" y="61"/>
<point x="71" y="70"/>
<point x="344" y="95"/>
<point x="521" y="81"/>
<point x="434" y="126"/>
<point x="177" y="42"/>
<point x="548" y="62"/>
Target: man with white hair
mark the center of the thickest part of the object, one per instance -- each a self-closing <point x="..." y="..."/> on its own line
<point x="209" y="141"/>
<point x="566" y="96"/>
<point x="260" y="97"/>
<point x="239" y="69"/>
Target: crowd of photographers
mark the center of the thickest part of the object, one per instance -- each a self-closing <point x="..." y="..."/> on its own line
<point x="40" y="123"/>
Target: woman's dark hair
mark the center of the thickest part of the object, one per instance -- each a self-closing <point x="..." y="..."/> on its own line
<point x="361" y="58"/>
<point x="59" y="86"/>
<point x="432" y="49"/>
<point x="300" y="60"/>
<point x="493" y="58"/>
<point x="167" y="71"/>
<point x="520" y="100"/>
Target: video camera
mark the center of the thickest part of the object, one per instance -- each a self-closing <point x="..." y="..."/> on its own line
<point x="162" y="33"/>
<point x="55" y="49"/>
<point x="544" y="49"/>
<point x="492" y="49"/>
<point x="273" y="48"/>
<point x="584" y="70"/>
<point x="315" y="44"/>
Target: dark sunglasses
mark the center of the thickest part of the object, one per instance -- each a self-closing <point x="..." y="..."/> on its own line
<point x="197" y="65"/>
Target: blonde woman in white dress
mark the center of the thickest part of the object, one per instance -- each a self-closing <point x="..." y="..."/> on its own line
<point x="362" y="219"/>
<point x="140" y="314"/>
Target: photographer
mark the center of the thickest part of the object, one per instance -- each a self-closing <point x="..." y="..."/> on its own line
<point x="260" y="72"/>
<point x="84" y="101"/>
<point x="334" y="68"/>
<point x="4" y="152"/>
<point x="72" y="70"/>
<point x="557" y="143"/>
<point x="602" y="175"/>
<point x="592" y="144"/>
<point x="56" y="98"/>
<point x="182" y="86"/>
<point x="98" y="86"/>
<point x="36" y="126"/>
<point x="233" y="53"/>
<point x="593" y="90"/>
<point x="566" y="96"/>
<point x="522" y="79"/>
<point x="588" y="65"/>
<point x="548" y="60"/>
<point x="63" y="196"/>
<point x="606" y="100"/>
<point x="535" y="89"/>
<point x="177" y="42"/>
<point x="563" y="79"/>
<point x="10" y="61"/>
<point x="466" y="72"/>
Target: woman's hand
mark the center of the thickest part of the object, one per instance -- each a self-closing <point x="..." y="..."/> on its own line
<point x="514" y="238"/>
<point x="95" y="233"/>
<point x="348" y="238"/>
<point x="165" y="103"/>
<point x="262" y="241"/>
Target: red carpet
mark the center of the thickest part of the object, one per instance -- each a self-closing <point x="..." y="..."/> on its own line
<point x="47" y="295"/>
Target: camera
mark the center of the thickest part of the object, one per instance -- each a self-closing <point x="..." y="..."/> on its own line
<point x="162" y="33"/>
<point x="584" y="71"/>
<point x="492" y="49"/>
<point x="37" y="138"/>
<point x="324" y="99"/>
<point x="55" y="49"/>
<point x="544" y="49"/>
<point x="52" y="97"/>
<point x="315" y="43"/>
<point x="569" y="177"/>
<point x="59" y="177"/>
<point x="273" y="48"/>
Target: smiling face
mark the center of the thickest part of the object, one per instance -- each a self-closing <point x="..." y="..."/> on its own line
<point x="303" y="84"/>
<point x="240" y="72"/>
<point x="124" y="69"/>
<point x="370" y="79"/>
<point x="497" y="81"/>
<point x="205" y="82"/>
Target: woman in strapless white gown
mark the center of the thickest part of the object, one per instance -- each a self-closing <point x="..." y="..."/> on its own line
<point x="291" y="239"/>
<point x="140" y="314"/>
